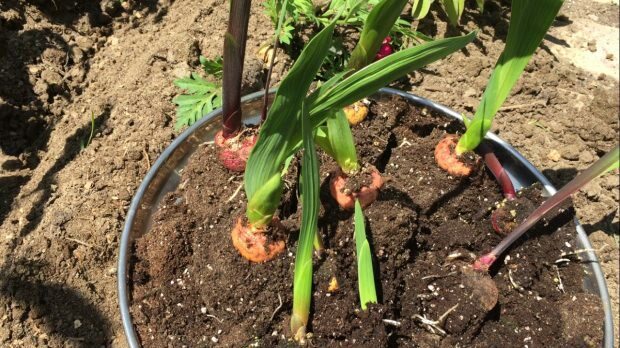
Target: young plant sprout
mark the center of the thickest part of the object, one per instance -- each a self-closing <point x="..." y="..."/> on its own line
<point x="353" y="181"/>
<point x="278" y="140"/>
<point x="234" y="141"/>
<point x="606" y="163"/>
<point x="302" y="282"/>
<point x="365" y="274"/>
<point x="529" y="21"/>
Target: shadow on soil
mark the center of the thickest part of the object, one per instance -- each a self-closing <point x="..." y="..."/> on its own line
<point x="9" y="188"/>
<point x="73" y="146"/>
<point x="55" y="308"/>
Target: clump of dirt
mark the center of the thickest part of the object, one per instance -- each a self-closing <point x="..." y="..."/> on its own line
<point x="426" y="227"/>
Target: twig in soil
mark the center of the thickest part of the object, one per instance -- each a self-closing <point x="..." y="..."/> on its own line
<point x="581" y="251"/>
<point x="405" y="142"/>
<point x="214" y="317"/>
<point x="83" y="243"/>
<point x="516" y="285"/>
<point x="148" y="159"/>
<point x="235" y="193"/>
<point x="438" y="276"/>
<point x="392" y="322"/>
<point x="148" y="294"/>
<point x="560" y="284"/>
<point x="277" y="308"/>
<point x="436" y="324"/>
<point x="561" y="260"/>
<point x="521" y="106"/>
<point x="232" y="178"/>
<point x="380" y="139"/>
<point x="76" y="339"/>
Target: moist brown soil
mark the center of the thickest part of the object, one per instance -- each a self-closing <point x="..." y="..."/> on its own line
<point x="191" y="287"/>
<point x="62" y="208"/>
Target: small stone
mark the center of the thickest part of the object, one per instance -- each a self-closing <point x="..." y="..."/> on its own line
<point x="609" y="56"/>
<point x="77" y="54"/>
<point x="85" y="43"/>
<point x="586" y="157"/>
<point x="470" y="92"/>
<point x="77" y="324"/>
<point x="51" y="77"/>
<point x="554" y="155"/>
<point x="592" y="45"/>
<point x="571" y="152"/>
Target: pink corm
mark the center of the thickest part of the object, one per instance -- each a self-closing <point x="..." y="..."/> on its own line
<point x="385" y="49"/>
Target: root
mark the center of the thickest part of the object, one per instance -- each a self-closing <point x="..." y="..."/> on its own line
<point x="435" y="326"/>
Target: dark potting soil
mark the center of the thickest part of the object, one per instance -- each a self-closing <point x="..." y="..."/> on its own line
<point x="191" y="288"/>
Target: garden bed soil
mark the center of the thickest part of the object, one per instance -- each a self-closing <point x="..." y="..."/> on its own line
<point x="190" y="287"/>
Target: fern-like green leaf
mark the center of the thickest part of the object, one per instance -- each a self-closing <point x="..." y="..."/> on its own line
<point x="213" y="67"/>
<point x="202" y="97"/>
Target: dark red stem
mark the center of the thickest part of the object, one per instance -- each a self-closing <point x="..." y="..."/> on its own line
<point x="498" y="170"/>
<point x="263" y="115"/>
<point x="234" y="52"/>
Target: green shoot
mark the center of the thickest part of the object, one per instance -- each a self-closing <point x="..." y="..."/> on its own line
<point x="529" y="21"/>
<point x="420" y="8"/>
<point x="341" y="142"/>
<point x="377" y="27"/>
<point x="302" y="284"/>
<point x="606" y="163"/>
<point x="365" y="274"/>
<point x="273" y="145"/>
<point x="454" y="10"/>
<point x="92" y="132"/>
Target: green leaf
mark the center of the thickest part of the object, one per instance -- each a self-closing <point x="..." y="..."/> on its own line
<point x="529" y="22"/>
<point x="454" y="10"/>
<point x="302" y="283"/>
<point x="273" y="145"/>
<point x="480" y="4"/>
<point x="341" y="142"/>
<point x="365" y="274"/>
<point x="420" y="8"/>
<point x="265" y="201"/>
<point x="376" y="28"/>
<point x="213" y="67"/>
<point x="203" y="98"/>
<point x="370" y="79"/>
